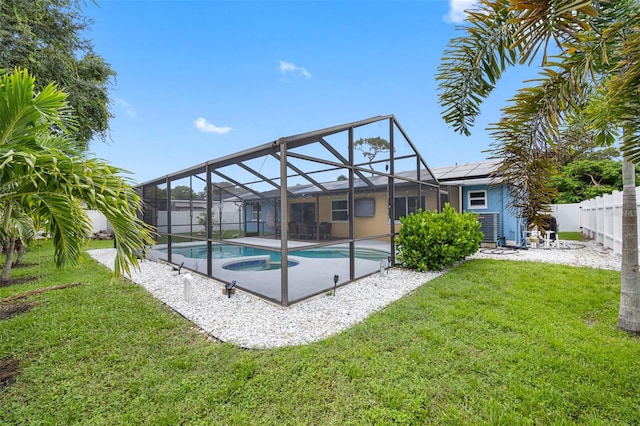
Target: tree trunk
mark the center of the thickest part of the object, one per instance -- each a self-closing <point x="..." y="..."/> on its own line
<point x="21" y="249"/>
<point x="629" y="314"/>
<point x="9" y="262"/>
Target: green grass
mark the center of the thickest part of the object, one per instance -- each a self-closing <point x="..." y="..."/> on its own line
<point x="572" y="236"/>
<point x="490" y="342"/>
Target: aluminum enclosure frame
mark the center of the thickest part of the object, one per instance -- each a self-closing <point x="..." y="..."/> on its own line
<point x="361" y="176"/>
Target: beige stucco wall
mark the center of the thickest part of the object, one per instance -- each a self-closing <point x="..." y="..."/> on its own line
<point x="454" y="197"/>
<point x="363" y="226"/>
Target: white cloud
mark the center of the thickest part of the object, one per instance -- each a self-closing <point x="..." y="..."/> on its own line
<point x="288" y="67"/>
<point x="457" y="9"/>
<point x="126" y="107"/>
<point x="205" y="127"/>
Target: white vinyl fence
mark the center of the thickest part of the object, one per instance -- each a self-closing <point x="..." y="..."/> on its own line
<point x="601" y="219"/>
<point x="182" y="221"/>
<point x="567" y="216"/>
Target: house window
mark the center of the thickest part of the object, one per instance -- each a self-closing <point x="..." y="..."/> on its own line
<point x="477" y="199"/>
<point x="339" y="210"/>
<point x="255" y="212"/>
<point x="406" y="205"/>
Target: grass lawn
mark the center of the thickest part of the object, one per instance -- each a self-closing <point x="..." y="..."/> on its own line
<point x="571" y="236"/>
<point x="495" y="342"/>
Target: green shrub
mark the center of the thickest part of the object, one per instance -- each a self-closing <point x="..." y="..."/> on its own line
<point x="432" y="241"/>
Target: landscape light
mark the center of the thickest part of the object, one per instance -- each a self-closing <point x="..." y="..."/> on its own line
<point x="335" y="282"/>
<point x="178" y="268"/>
<point x="229" y="287"/>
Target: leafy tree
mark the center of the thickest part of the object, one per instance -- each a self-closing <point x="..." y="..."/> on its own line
<point x="46" y="179"/>
<point x="155" y="193"/>
<point x="371" y="147"/>
<point x="590" y="85"/>
<point x="585" y="148"/>
<point x="584" y="179"/>
<point x="46" y="37"/>
<point x="183" y="192"/>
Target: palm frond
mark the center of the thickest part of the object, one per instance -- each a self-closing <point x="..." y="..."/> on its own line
<point x="473" y="63"/>
<point x="25" y="114"/>
<point x="42" y="172"/>
<point x="499" y="34"/>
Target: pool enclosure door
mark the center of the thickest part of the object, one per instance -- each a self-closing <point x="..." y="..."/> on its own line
<point x="252" y="219"/>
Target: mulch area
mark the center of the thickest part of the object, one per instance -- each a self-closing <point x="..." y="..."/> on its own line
<point x="9" y="369"/>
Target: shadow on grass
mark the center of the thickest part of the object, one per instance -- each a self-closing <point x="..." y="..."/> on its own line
<point x="16" y="281"/>
<point x="10" y="367"/>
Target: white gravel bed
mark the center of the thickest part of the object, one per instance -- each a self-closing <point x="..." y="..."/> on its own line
<point x="250" y="322"/>
<point x="573" y="253"/>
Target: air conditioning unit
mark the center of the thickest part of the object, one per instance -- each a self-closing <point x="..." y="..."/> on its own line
<point x="490" y="226"/>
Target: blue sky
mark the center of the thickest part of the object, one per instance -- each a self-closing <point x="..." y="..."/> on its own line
<point x="198" y="80"/>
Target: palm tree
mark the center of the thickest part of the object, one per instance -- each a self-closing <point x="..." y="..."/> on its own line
<point x="591" y="82"/>
<point x="43" y="172"/>
<point x="17" y="230"/>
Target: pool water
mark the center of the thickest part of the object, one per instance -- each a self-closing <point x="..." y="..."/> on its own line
<point x="224" y="251"/>
<point x="256" y="265"/>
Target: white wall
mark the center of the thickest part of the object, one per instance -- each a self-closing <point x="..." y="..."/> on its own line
<point x="567" y="216"/>
<point x="100" y="222"/>
<point x="182" y="222"/>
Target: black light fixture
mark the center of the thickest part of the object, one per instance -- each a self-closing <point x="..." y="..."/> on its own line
<point x="229" y="287"/>
<point x="178" y="268"/>
<point x="335" y="283"/>
<point x="388" y="262"/>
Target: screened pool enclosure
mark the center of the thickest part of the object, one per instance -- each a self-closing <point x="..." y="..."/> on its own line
<point x="293" y="218"/>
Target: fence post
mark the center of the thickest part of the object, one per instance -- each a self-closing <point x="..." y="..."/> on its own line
<point x="617" y="222"/>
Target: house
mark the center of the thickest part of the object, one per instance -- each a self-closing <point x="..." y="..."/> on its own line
<point x="311" y="207"/>
<point x="471" y="187"/>
<point x="467" y="187"/>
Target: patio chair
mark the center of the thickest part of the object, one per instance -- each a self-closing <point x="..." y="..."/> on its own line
<point x="325" y="230"/>
<point x="293" y="230"/>
<point x="305" y="230"/>
<point x="534" y="238"/>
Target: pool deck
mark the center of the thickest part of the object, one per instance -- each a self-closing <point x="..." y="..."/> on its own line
<point x="311" y="275"/>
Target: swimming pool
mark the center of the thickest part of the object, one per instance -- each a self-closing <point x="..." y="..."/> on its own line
<point x="263" y="264"/>
<point x="225" y="251"/>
